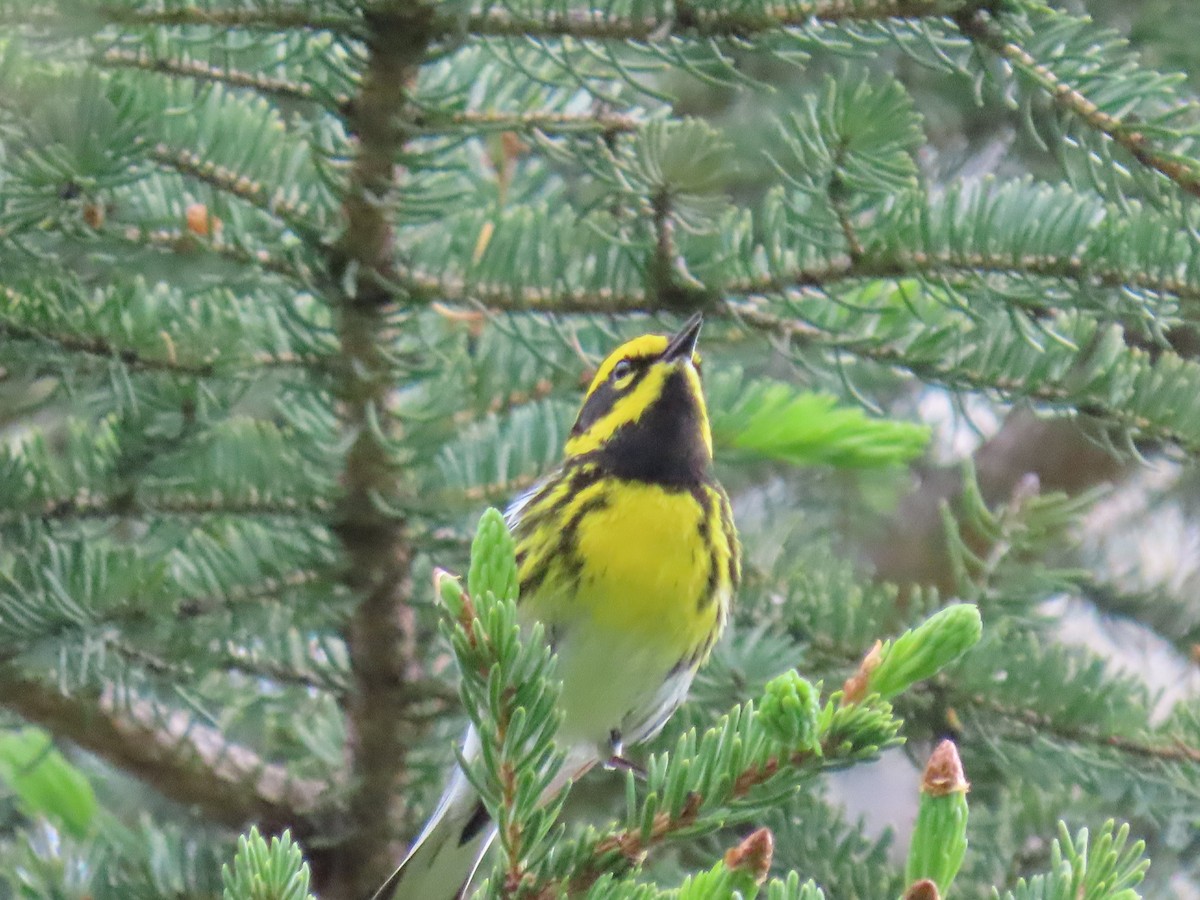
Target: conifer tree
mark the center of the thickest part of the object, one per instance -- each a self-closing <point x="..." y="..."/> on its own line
<point x="291" y="293"/>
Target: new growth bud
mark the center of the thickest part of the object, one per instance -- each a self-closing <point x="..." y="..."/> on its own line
<point x="753" y="855"/>
<point x="448" y="589"/>
<point x="917" y="654"/>
<point x="788" y="711"/>
<point x="939" y="839"/>
<point x="492" y="564"/>
<point x="922" y="890"/>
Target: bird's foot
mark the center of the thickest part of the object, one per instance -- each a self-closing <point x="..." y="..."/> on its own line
<point x="619" y="763"/>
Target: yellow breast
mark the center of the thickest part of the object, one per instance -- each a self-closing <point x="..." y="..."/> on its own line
<point x="639" y="560"/>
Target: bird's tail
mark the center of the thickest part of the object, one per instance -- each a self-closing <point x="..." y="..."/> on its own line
<point x="446" y="853"/>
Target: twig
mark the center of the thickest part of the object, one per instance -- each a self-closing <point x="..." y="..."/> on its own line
<point x="424" y="286"/>
<point x="99" y="506"/>
<point x="186" y="162"/>
<point x="688" y="21"/>
<point x="550" y="123"/>
<point x="980" y="28"/>
<point x="202" y="71"/>
<point x="190" y="763"/>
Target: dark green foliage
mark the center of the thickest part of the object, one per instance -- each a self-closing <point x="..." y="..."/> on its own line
<point x="290" y="292"/>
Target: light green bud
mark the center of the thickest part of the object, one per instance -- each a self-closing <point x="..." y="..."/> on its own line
<point x="924" y="651"/>
<point x="493" y="558"/>
<point x="789" y="709"/>
<point x="939" y="839"/>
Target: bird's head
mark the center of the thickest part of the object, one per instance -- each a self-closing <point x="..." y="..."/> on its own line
<point x="644" y="416"/>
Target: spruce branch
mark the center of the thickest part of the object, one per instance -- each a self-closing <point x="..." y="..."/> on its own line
<point x="266" y="591"/>
<point x="190" y="763"/>
<point x="267" y="18"/>
<point x="433" y="121"/>
<point x="749" y="757"/>
<point x="510" y="695"/>
<point x="1053" y="392"/>
<point x="987" y="31"/>
<point x="1024" y="722"/>
<point x="223" y="179"/>
<point x="124" y="506"/>
<point x="1105" y="866"/>
<point x="185" y="242"/>
<point x="448" y="287"/>
<point x="137" y="360"/>
<point x="688" y="21"/>
<point x="901" y="264"/>
<point x="939" y="839"/>
<point x="279" y="88"/>
<point x="249" y="663"/>
<point x="101" y="348"/>
<point x="1062" y="454"/>
<point x="262" y="871"/>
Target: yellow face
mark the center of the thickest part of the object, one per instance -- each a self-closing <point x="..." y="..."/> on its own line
<point x="644" y="410"/>
<point x="648" y="346"/>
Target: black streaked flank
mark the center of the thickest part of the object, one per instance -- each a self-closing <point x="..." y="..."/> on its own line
<point x="730" y="541"/>
<point x="709" y="507"/>
<point x="568" y="547"/>
<point x="538" y="510"/>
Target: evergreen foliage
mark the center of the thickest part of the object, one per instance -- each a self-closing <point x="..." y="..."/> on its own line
<point x="290" y="292"/>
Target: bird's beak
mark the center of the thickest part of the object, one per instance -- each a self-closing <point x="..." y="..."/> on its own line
<point x="683" y="343"/>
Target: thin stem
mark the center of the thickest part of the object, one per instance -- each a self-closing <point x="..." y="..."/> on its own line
<point x="279" y="88"/>
<point x="688" y="21"/>
<point x="226" y="180"/>
<point x="980" y="28"/>
<point x="476" y="121"/>
<point x="447" y="287"/>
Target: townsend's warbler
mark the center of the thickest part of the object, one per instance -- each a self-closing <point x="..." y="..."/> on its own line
<point x="628" y="556"/>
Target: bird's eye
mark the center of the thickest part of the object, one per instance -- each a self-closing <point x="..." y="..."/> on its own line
<point x="622" y="368"/>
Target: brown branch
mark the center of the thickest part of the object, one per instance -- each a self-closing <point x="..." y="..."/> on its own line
<point x="190" y="763"/>
<point x="104" y="349"/>
<point x="906" y="264"/>
<point x="97" y="506"/>
<point x="476" y="121"/>
<point x="629" y="846"/>
<point x="278" y="19"/>
<point x="101" y="348"/>
<point x="980" y="28"/>
<point x="1172" y="751"/>
<point x="185" y="243"/>
<point x="220" y="178"/>
<point x="141" y="60"/>
<point x="448" y="287"/>
<point x="709" y="22"/>
<point x="950" y="375"/>
<point x="585" y="25"/>
<point x="687" y="22"/>
<point x="93" y="345"/>
<point x="382" y="633"/>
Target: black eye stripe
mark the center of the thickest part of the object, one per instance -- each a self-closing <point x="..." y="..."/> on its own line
<point x="640" y="369"/>
<point x="604" y="397"/>
<point x="597" y="404"/>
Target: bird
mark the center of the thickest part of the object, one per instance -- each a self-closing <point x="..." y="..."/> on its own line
<point x="628" y="555"/>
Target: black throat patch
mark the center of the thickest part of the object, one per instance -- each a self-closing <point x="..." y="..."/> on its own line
<point x="665" y="446"/>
